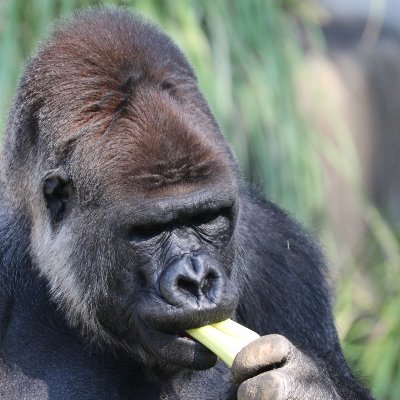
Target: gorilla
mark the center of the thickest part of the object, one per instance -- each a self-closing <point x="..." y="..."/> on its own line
<point x="124" y="221"/>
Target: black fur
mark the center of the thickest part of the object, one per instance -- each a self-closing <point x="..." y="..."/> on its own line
<point x="110" y="147"/>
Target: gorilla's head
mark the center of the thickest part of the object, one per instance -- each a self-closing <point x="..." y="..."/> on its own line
<point x="129" y="187"/>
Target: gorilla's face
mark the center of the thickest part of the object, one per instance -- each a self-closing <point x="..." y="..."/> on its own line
<point x="141" y="271"/>
<point x="174" y="256"/>
<point x="135" y="232"/>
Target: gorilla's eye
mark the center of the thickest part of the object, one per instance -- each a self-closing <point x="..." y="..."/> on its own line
<point x="141" y="233"/>
<point x="203" y="218"/>
<point x="210" y="217"/>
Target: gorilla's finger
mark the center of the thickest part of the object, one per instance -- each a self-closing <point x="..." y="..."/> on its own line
<point x="261" y="354"/>
<point x="270" y="385"/>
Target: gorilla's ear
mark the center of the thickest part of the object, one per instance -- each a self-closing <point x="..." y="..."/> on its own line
<point x="57" y="190"/>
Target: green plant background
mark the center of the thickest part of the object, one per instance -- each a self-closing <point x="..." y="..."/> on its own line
<point x="246" y="55"/>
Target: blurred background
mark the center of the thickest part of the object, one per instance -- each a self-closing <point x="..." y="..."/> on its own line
<point x="308" y="93"/>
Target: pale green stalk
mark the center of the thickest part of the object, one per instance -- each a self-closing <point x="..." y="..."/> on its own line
<point x="225" y="339"/>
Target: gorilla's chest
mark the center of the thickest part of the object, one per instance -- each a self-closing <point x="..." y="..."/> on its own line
<point x="75" y="380"/>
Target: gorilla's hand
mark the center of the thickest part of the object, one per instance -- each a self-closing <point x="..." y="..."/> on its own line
<point x="272" y="368"/>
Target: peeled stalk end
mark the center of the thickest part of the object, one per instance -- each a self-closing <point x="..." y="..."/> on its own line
<point x="225" y="338"/>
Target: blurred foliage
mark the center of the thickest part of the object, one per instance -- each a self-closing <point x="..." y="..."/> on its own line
<point x="246" y="54"/>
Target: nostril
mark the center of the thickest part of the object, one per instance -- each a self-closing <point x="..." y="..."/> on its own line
<point x="189" y="287"/>
<point x="198" y="289"/>
<point x="207" y="283"/>
<point x="191" y="281"/>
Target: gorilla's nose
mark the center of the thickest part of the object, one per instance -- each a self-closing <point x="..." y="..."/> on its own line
<point x="191" y="279"/>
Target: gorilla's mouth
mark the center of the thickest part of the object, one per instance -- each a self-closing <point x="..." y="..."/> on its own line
<point x="177" y="348"/>
<point x="155" y="326"/>
<point x="153" y="331"/>
<point x="161" y="329"/>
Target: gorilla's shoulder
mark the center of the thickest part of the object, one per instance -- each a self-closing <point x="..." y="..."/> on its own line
<point x="274" y="225"/>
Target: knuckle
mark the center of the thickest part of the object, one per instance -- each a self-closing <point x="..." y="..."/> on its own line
<point x="281" y="342"/>
<point x="278" y="346"/>
<point x="268" y="386"/>
<point x="246" y="391"/>
<point x="271" y="350"/>
<point x="275" y="384"/>
<point x="282" y="346"/>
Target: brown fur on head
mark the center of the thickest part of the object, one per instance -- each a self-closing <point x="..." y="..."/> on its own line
<point x="110" y="94"/>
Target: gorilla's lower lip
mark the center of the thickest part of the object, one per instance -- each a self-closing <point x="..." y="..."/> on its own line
<point x="184" y="335"/>
<point x="187" y="339"/>
<point x="182" y="338"/>
<point x="178" y="348"/>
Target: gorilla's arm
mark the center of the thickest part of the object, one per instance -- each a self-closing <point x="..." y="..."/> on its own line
<point x="284" y="291"/>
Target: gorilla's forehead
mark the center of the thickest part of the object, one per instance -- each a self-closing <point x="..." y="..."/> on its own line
<point x="166" y="155"/>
